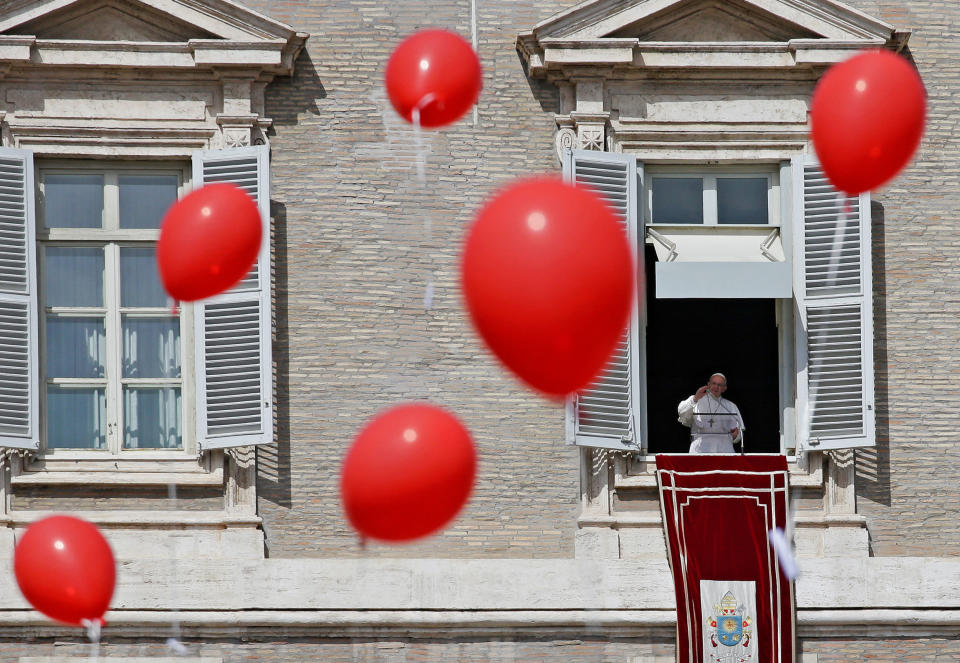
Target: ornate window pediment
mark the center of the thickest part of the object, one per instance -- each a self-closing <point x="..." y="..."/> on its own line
<point x="676" y="33"/>
<point x="137" y="78"/>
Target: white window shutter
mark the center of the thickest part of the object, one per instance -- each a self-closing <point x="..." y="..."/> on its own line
<point x="19" y="358"/>
<point x="233" y="330"/>
<point x="833" y="287"/>
<point x="606" y="414"/>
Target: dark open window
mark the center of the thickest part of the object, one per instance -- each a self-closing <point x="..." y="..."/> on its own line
<point x="687" y="340"/>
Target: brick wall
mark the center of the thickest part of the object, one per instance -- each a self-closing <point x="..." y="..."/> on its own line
<point x="354" y="256"/>
<point x="909" y="486"/>
<point x="882" y="649"/>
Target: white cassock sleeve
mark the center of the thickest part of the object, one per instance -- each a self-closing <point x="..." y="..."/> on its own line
<point x="685" y="412"/>
<point x="739" y="424"/>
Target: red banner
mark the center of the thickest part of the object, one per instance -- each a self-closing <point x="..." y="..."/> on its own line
<point x="734" y="604"/>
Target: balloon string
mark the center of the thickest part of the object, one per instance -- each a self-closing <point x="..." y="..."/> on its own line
<point x="420" y="158"/>
<point x="173" y="642"/>
<point x="782" y="542"/>
<point x="421" y="176"/>
<point x="839" y="233"/>
<point x="93" y="627"/>
<point x="362" y="542"/>
<point x="418" y="138"/>
<point x="175" y="308"/>
<point x="428" y="294"/>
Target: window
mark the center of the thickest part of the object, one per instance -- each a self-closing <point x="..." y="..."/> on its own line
<point x="796" y="320"/>
<point x="87" y="334"/>
<point x="712" y="195"/>
<point x="112" y="360"/>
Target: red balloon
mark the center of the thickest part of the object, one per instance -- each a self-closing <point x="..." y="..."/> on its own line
<point x="436" y="71"/>
<point x="408" y="473"/>
<point x="65" y="569"/>
<point x="867" y="116"/>
<point x="548" y="276"/>
<point x="208" y="242"/>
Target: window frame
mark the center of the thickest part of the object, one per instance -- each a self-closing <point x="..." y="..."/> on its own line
<point x="778" y="217"/>
<point x="709" y="174"/>
<point x="112" y="238"/>
<point x="780" y="208"/>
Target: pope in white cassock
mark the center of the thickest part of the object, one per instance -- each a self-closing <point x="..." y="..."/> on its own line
<point x="715" y="423"/>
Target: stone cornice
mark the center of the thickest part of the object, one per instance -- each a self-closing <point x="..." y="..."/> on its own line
<point x="424" y="597"/>
<point x="582" y="36"/>
<point x="264" y="625"/>
<point x="273" y="56"/>
<point x="563" y="59"/>
<point x="867" y="583"/>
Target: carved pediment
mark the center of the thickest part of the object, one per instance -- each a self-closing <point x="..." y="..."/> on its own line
<point x="713" y="21"/>
<point x="774" y="19"/>
<point x="137" y="20"/>
<point x="110" y="20"/>
<point x="669" y="34"/>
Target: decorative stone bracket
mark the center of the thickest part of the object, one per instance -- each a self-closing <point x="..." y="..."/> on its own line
<point x="581" y="131"/>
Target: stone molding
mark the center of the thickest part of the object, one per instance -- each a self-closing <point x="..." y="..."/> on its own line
<point x="600" y="57"/>
<point x="263" y="625"/>
<point x="140" y="99"/>
<point x="613" y="34"/>
<point x="876" y="583"/>
<point x="908" y="596"/>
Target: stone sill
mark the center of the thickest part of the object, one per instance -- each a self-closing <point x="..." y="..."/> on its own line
<point x="653" y="520"/>
<point x="430" y="623"/>
<point x="118" y="478"/>
<point x="144" y="468"/>
<point x="799" y="477"/>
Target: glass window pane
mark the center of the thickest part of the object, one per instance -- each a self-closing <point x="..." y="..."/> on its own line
<point x="139" y="279"/>
<point x="151" y="418"/>
<point x="677" y="200"/>
<point x="76" y="418"/>
<point x="76" y="347"/>
<point x="73" y="276"/>
<point x="151" y="347"/>
<point x="742" y="200"/>
<point x="73" y="201"/>
<point x="144" y="199"/>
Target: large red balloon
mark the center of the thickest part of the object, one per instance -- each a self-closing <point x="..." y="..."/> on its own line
<point x="548" y="276"/>
<point x="867" y="117"/>
<point x="408" y="473"/>
<point x="65" y="569"/>
<point x="208" y="242"/>
<point x="437" y="72"/>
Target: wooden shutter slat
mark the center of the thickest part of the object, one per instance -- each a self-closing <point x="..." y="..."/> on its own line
<point x="834" y="297"/>
<point x="233" y="333"/>
<point x="604" y="413"/>
<point x="18" y="303"/>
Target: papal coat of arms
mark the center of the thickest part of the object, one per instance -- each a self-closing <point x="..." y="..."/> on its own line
<point x="730" y="632"/>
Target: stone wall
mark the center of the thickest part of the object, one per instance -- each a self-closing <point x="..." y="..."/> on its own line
<point x="355" y="253"/>
<point x="358" y="237"/>
<point x="909" y="486"/>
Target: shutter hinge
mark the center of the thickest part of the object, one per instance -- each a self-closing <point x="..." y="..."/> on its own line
<point x="814" y="441"/>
